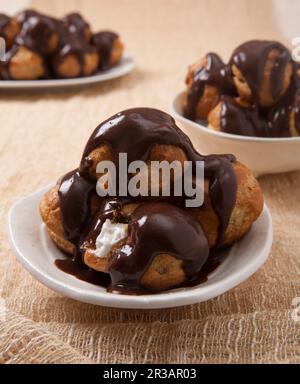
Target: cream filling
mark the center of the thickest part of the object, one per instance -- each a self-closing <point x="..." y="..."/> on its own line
<point x="111" y="234"/>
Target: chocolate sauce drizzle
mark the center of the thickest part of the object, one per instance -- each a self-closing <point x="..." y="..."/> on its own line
<point x="157" y="228"/>
<point x="104" y="42"/>
<point x="75" y="23"/>
<point x="252" y="121"/>
<point x="135" y="132"/>
<point x="251" y="57"/>
<point x="215" y="73"/>
<point x="239" y="120"/>
<point x="71" y="44"/>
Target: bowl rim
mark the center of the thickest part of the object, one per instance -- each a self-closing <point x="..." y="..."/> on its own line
<point x="177" y="113"/>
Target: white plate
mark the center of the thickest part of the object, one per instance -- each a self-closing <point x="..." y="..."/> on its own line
<point x="36" y="252"/>
<point x="262" y="155"/>
<point x="125" y="66"/>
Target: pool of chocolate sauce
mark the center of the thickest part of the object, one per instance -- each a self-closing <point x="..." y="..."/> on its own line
<point x="88" y="275"/>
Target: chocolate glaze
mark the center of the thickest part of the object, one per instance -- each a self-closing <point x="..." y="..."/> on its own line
<point x="75" y="23"/>
<point x="215" y="73"/>
<point x="157" y="228"/>
<point x="104" y="42"/>
<point x="4" y="21"/>
<point x="82" y="272"/>
<point x="36" y="32"/>
<point x="75" y="193"/>
<point x="297" y="114"/>
<point x="135" y="132"/>
<point x="250" y="121"/>
<point x="23" y="16"/>
<point x="279" y="116"/>
<point x="251" y="57"/>
<point x="70" y="44"/>
<point x="239" y="120"/>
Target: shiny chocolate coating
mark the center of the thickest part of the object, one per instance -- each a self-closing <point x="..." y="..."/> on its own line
<point x="135" y="132"/>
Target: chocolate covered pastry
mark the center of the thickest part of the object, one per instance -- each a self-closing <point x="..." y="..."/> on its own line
<point x="78" y="25"/>
<point x="255" y="94"/>
<point x="109" y="46"/>
<point x="42" y="47"/>
<point x="206" y="81"/>
<point x="9" y="28"/>
<point x="147" y="243"/>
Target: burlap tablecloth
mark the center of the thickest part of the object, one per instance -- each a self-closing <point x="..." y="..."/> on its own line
<point x="42" y="136"/>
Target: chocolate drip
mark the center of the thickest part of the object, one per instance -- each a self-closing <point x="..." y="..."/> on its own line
<point x="75" y="194"/>
<point x="239" y="120"/>
<point x="251" y="57"/>
<point x="215" y="73"/>
<point x="71" y="44"/>
<point x="4" y="21"/>
<point x="36" y="32"/>
<point x="250" y="121"/>
<point x="154" y="229"/>
<point x="279" y="116"/>
<point x="104" y="42"/>
<point x="297" y="116"/>
<point x="75" y="23"/>
<point x="81" y="272"/>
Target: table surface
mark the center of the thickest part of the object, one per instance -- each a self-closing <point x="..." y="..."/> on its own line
<point x="42" y="136"/>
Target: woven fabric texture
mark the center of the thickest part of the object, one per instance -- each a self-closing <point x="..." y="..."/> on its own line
<point x="42" y="136"/>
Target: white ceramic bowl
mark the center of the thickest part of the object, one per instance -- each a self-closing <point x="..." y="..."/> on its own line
<point x="37" y="253"/>
<point x="125" y="66"/>
<point x="262" y="155"/>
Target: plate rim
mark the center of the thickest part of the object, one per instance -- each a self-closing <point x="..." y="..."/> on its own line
<point x="169" y="299"/>
<point x="126" y="65"/>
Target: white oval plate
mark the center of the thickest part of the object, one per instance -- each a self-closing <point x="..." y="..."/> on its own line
<point x="262" y="155"/>
<point x="125" y="66"/>
<point x="37" y="253"/>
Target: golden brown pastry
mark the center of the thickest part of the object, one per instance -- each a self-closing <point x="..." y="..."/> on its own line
<point x="206" y="81"/>
<point x="234" y="116"/>
<point x="262" y="71"/>
<point x="23" y="64"/>
<point x="248" y="206"/>
<point x="74" y="58"/>
<point x="148" y="243"/>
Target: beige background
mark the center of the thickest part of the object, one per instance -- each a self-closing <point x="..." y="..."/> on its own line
<point x="42" y="136"/>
